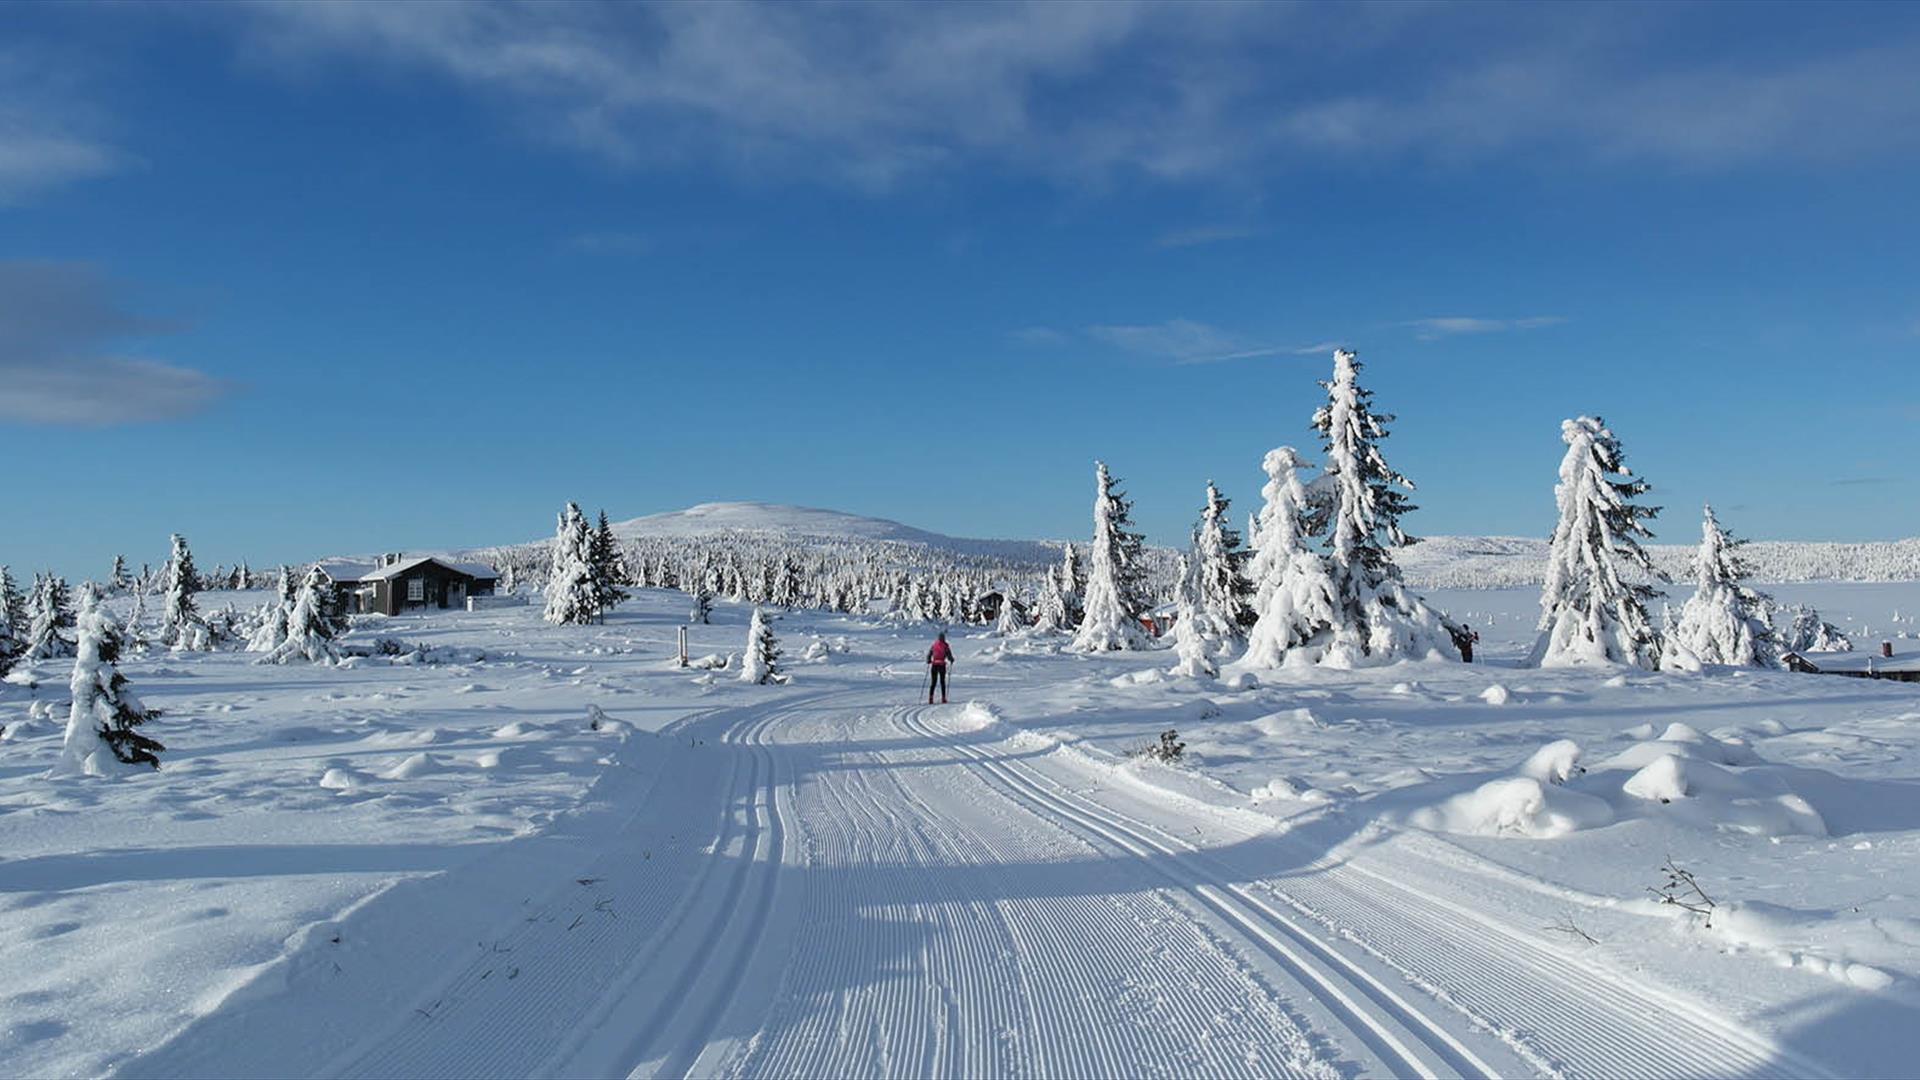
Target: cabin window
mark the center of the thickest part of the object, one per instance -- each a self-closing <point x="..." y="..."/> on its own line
<point x="416" y="590"/>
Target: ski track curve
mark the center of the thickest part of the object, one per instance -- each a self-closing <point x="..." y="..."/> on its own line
<point x="829" y="884"/>
<point x="1550" y="1014"/>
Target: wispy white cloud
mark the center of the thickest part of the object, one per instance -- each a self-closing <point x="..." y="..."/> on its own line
<point x="47" y="136"/>
<point x="1185" y="341"/>
<point x="1433" y="329"/>
<point x="60" y="361"/>
<point x="871" y="93"/>
<point x="1040" y="336"/>
<point x="1205" y="234"/>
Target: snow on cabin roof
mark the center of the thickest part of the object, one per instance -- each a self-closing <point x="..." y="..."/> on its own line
<point x="1866" y="660"/>
<point x="349" y="572"/>
<point x="473" y="570"/>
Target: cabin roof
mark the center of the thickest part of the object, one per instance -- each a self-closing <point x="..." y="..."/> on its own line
<point x="347" y="572"/>
<point x="1862" y="660"/>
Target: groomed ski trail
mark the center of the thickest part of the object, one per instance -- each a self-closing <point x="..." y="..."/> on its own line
<point x="827" y="883"/>
<point x="1449" y="975"/>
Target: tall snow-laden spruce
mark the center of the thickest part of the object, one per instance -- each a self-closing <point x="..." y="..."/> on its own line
<point x="1294" y="595"/>
<point x="1073" y="584"/>
<point x="1191" y="644"/>
<point x="181" y="627"/>
<point x="105" y="715"/>
<point x="49" y="619"/>
<point x="118" y="580"/>
<point x="310" y="627"/>
<point x="1590" y="612"/>
<point x="1115" y="599"/>
<point x="761" y="662"/>
<point x="1376" y="618"/>
<point x="13" y="620"/>
<point x="1220" y="586"/>
<point x="573" y="598"/>
<point x="1725" y="621"/>
<point x="603" y="557"/>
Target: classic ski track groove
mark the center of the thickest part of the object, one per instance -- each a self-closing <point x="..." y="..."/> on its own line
<point x="1034" y="965"/>
<point x="691" y="953"/>
<point x="572" y="960"/>
<point x="1505" y="983"/>
<point x="1393" y="1033"/>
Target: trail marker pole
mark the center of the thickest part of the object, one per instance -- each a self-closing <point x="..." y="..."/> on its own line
<point x="683" y="646"/>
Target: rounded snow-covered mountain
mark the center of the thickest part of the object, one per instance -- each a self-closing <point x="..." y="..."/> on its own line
<point x="806" y="521"/>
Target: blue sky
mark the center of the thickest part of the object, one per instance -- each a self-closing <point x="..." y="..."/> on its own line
<point x="307" y="278"/>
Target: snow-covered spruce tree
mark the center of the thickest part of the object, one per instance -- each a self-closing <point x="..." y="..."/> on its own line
<point x="572" y="597"/>
<point x="1222" y="614"/>
<point x="1073" y="583"/>
<point x="702" y="605"/>
<point x="272" y="631"/>
<point x="181" y="627"/>
<point x="118" y="580"/>
<point x="13" y="620"/>
<point x="133" y="632"/>
<point x="1190" y="641"/>
<point x="1293" y="592"/>
<point x="1376" y="618"/>
<point x="1724" y="621"/>
<point x="1590" y="613"/>
<point x="509" y="579"/>
<point x="609" y="571"/>
<point x="1009" y="621"/>
<point x="1114" y="600"/>
<point x="310" y="629"/>
<point x="1807" y="632"/>
<point x="761" y="662"/>
<point x="50" y="619"/>
<point x="105" y="715"/>
<point x="1050" y="611"/>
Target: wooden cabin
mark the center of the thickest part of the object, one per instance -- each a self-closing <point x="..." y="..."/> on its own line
<point x="1881" y="663"/>
<point x="397" y="584"/>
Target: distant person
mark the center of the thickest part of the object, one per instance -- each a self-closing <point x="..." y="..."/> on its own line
<point x="938" y="657"/>
<point x="1464" y="638"/>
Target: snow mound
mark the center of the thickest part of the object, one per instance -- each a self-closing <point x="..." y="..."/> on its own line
<point x="1682" y="778"/>
<point x="344" y="781"/>
<point x="414" y="766"/>
<point x="1516" y="805"/>
<point x="1288" y="789"/>
<point x="1496" y="695"/>
<point x="1556" y="763"/>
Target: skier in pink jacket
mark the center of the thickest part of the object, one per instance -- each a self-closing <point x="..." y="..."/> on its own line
<point x="938" y="657"/>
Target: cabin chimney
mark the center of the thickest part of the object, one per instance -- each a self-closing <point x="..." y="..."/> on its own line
<point x="1886" y="649"/>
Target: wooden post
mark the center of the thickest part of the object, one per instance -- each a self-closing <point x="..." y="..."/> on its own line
<point x="683" y="646"/>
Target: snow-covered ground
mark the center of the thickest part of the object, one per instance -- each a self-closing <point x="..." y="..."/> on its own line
<point x="539" y="850"/>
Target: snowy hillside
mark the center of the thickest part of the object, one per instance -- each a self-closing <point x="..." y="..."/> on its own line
<point x="804" y="522"/>
<point x="1495" y="562"/>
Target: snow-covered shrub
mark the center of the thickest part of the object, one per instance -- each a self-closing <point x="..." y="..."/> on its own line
<point x="1725" y="621"/>
<point x="310" y="630"/>
<point x="761" y="662"/>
